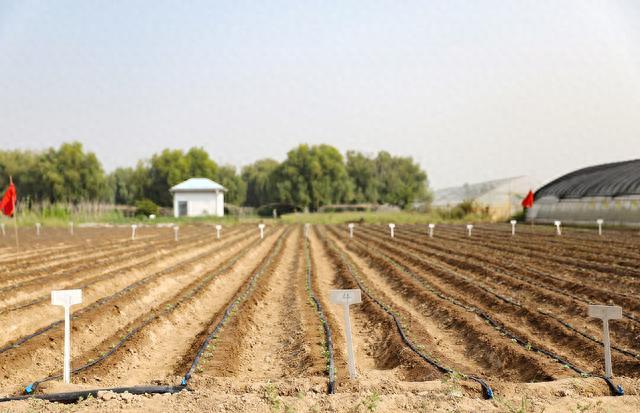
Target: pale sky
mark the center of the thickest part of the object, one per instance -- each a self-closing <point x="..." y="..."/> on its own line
<point x="473" y="90"/>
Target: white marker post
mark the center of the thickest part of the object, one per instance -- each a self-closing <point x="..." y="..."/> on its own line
<point x="3" y="232"/>
<point x="351" y="229"/>
<point x="133" y="231"/>
<point x="558" y="224"/>
<point x="306" y="230"/>
<point x="218" y="228"/>
<point x="392" y="228"/>
<point x="606" y="313"/>
<point x="71" y="228"/>
<point x="66" y="298"/>
<point x="513" y="227"/>
<point x="431" y="227"/>
<point x="469" y="228"/>
<point x="600" y="221"/>
<point x="261" y="226"/>
<point x="176" y="229"/>
<point x="346" y="298"/>
<point x="37" y="229"/>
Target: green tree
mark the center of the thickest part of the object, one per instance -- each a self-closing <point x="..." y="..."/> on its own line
<point x="401" y="180"/>
<point x="128" y="184"/>
<point x="312" y="177"/>
<point x="236" y="186"/>
<point x="260" y="181"/>
<point x="363" y="175"/>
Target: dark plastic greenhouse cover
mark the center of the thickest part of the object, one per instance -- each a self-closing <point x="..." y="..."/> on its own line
<point x="611" y="180"/>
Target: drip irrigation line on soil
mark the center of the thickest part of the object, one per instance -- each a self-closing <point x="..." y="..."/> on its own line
<point x="236" y="302"/>
<point x="167" y="310"/>
<point x="487" y="392"/>
<point x="615" y="390"/>
<point x="76" y="396"/>
<point x="323" y="319"/>
<point x="17" y="343"/>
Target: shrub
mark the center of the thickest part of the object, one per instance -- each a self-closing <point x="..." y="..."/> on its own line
<point x="146" y="207"/>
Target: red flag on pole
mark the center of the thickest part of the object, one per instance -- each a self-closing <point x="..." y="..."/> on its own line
<point x="527" y="202"/>
<point x="8" y="202"/>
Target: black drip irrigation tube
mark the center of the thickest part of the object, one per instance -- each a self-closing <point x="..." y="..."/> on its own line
<point x="616" y="390"/>
<point x="240" y="298"/>
<point x="75" y="396"/>
<point x="487" y="392"/>
<point x="331" y="387"/>
<point x="31" y="388"/>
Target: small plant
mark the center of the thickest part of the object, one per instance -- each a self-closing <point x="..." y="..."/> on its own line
<point x="271" y="395"/>
<point x="371" y="401"/>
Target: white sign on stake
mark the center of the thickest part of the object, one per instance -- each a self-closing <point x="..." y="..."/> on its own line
<point x="176" y="229"/>
<point x="558" y="224"/>
<point x="351" y="225"/>
<point x="3" y="233"/>
<point x="469" y="228"/>
<point x="392" y="228"/>
<point x="513" y="227"/>
<point x="606" y="313"/>
<point x="261" y="226"/>
<point x="71" y="228"/>
<point x="600" y="221"/>
<point x="346" y="298"/>
<point x="218" y="228"/>
<point x="37" y="229"/>
<point x="133" y="231"/>
<point x="66" y="298"/>
<point x="431" y="227"/>
<point x="306" y="230"/>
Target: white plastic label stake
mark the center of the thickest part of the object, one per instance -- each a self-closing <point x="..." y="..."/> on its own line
<point x="66" y="298"/>
<point x="346" y="298"/>
<point x="392" y="228"/>
<point x="351" y="230"/>
<point x="431" y="227"/>
<point x="513" y="226"/>
<point x="218" y="228"/>
<point x="37" y="229"/>
<point x="469" y="228"/>
<point x="606" y="313"/>
<point x="306" y="230"/>
<point x="261" y="226"/>
<point x="600" y="221"/>
<point x="71" y="228"/>
<point x="3" y="233"/>
<point x="176" y="229"/>
<point x="558" y="224"/>
<point x="133" y="231"/>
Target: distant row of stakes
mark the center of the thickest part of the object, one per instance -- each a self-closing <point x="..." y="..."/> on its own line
<point x="469" y="227"/>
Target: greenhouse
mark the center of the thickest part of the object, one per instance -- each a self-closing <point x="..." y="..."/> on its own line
<point x="610" y="192"/>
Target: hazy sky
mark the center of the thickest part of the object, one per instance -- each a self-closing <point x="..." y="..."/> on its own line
<point x="473" y="90"/>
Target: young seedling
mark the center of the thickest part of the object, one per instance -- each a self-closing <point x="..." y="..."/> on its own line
<point x="392" y="228"/>
<point x="606" y="313"/>
<point x="513" y="227"/>
<point x="66" y="298"/>
<point x="351" y="225"/>
<point x="176" y="229"/>
<point x="469" y="228"/>
<point x="431" y="227"/>
<point x="558" y="224"/>
<point x="600" y="221"/>
<point x="218" y="228"/>
<point x="133" y="231"/>
<point x="346" y="298"/>
<point x="261" y="227"/>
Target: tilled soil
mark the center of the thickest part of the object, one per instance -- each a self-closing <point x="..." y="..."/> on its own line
<point x="439" y="317"/>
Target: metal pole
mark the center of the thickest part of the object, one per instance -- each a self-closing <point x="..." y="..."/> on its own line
<point x="67" y="345"/>
<point x="347" y="328"/>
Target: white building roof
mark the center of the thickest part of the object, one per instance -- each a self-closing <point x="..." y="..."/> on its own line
<point x="198" y="184"/>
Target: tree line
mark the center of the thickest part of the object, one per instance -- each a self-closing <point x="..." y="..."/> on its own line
<point x="310" y="177"/>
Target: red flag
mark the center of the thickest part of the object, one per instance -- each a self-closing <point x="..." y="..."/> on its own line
<point x="8" y="202"/>
<point x="527" y="202"/>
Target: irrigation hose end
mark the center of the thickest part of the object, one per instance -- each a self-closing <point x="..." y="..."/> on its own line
<point x="29" y="389"/>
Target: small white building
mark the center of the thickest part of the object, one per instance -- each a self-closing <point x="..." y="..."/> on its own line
<point x="198" y="197"/>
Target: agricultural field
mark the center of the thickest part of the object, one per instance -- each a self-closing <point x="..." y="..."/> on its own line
<point x="487" y="322"/>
